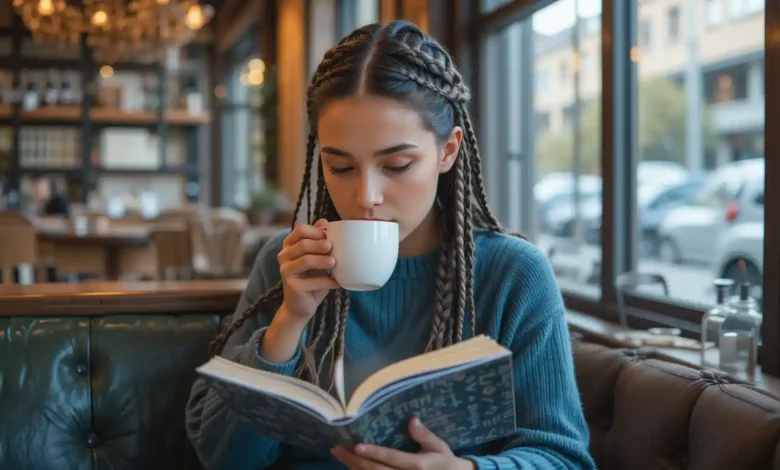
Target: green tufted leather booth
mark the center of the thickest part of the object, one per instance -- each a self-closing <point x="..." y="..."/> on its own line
<point x="101" y="384"/>
<point x="99" y="392"/>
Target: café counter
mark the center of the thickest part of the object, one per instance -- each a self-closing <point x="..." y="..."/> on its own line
<point x="105" y="298"/>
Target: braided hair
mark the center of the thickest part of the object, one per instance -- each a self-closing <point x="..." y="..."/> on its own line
<point x="400" y="62"/>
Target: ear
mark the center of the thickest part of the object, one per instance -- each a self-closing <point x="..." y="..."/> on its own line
<point x="450" y="149"/>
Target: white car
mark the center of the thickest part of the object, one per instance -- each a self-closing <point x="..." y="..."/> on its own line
<point x="729" y="196"/>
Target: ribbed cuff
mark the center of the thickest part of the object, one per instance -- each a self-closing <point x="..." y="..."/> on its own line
<point x="495" y="463"/>
<point x="251" y="356"/>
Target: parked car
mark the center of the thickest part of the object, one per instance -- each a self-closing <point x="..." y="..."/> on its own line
<point x="655" y="202"/>
<point x="690" y="232"/>
<point x="554" y="189"/>
<point x="653" y="171"/>
<point x="559" y="220"/>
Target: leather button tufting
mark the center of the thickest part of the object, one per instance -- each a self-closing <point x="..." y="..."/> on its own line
<point x="92" y="440"/>
<point x="81" y="369"/>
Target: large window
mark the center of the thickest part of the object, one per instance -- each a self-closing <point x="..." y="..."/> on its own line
<point x="643" y="150"/>
<point x="248" y="95"/>
<point x="700" y="153"/>
<point x="542" y="139"/>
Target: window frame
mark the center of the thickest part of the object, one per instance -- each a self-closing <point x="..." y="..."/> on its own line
<point x="619" y="27"/>
<point x="229" y="109"/>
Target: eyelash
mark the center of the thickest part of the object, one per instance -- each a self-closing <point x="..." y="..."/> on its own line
<point x="397" y="169"/>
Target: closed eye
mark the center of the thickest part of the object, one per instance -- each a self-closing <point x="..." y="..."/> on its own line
<point x="399" y="169"/>
<point x="394" y="169"/>
<point x="337" y="171"/>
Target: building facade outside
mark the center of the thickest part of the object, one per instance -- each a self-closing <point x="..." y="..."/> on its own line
<point x="722" y="44"/>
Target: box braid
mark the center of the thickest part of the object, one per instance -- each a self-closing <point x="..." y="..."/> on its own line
<point x="400" y="62"/>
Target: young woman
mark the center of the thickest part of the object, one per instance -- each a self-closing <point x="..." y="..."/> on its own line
<point x="387" y="109"/>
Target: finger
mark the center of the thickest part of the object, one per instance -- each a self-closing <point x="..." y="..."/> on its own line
<point x="303" y="231"/>
<point x="304" y="247"/>
<point x="428" y="441"/>
<point x="355" y="462"/>
<point x="391" y="457"/>
<point x="299" y="284"/>
<point x="321" y="224"/>
<point x="306" y="263"/>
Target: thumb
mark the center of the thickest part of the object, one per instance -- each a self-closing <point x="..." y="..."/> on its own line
<point x="428" y="441"/>
<point x="321" y="223"/>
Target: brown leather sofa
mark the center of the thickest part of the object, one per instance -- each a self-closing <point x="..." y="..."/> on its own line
<point x="645" y="413"/>
<point x="100" y="382"/>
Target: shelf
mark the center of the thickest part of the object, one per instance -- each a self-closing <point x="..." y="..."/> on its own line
<point x="182" y="170"/>
<point x="50" y="169"/>
<point x="173" y="117"/>
<point x="85" y="123"/>
<point x="144" y="171"/>
<point x="65" y="114"/>
<point x="109" y="116"/>
<point x="43" y="63"/>
<point x="183" y="118"/>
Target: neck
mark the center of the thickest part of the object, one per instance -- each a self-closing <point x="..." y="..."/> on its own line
<point x="424" y="239"/>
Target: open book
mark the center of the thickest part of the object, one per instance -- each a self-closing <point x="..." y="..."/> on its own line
<point x="464" y="393"/>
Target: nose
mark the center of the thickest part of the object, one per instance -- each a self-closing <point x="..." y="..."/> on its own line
<point x="369" y="193"/>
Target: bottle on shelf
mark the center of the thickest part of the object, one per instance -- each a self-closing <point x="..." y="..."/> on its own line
<point x="66" y="93"/>
<point x="711" y="323"/>
<point x="740" y="335"/>
<point x="69" y="94"/>
<point x="31" y="99"/>
<point x="49" y="93"/>
<point x="193" y="98"/>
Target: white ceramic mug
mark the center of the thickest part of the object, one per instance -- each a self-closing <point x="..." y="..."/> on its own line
<point x="366" y="252"/>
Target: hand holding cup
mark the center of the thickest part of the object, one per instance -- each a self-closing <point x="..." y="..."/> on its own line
<point x="304" y="264"/>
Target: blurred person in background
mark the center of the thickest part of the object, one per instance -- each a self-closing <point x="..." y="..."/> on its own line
<point x="50" y="196"/>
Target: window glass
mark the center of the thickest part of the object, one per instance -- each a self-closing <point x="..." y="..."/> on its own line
<point x="249" y="86"/>
<point x="542" y="140"/>
<point x="701" y="123"/>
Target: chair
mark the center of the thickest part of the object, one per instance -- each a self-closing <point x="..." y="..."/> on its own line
<point x="223" y="239"/>
<point x="18" y="247"/>
<point x="631" y="281"/>
<point x="174" y="249"/>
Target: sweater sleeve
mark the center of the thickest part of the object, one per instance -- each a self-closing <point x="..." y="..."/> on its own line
<point x="551" y="428"/>
<point x="218" y="436"/>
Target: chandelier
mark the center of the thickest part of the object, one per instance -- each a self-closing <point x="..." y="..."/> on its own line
<point x="116" y="30"/>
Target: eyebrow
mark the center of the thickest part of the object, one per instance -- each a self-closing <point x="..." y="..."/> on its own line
<point x="380" y="153"/>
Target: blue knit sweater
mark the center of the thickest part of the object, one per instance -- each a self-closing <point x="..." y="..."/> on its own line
<point x="518" y="303"/>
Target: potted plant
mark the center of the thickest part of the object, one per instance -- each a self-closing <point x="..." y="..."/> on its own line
<point x="264" y="205"/>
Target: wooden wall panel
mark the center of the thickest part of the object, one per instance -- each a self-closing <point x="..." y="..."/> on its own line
<point x="292" y="78"/>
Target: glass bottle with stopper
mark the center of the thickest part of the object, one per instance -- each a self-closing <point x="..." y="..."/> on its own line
<point x="711" y="324"/>
<point x="740" y="334"/>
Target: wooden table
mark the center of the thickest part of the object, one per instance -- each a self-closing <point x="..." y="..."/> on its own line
<point x="115" y="249"/>
<point x="100" y="250"/>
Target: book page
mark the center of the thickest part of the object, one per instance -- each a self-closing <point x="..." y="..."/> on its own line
<point x="338" y="380"/>
<point x="464" y="406"/>
<point x="471" y="350"/>
<point x="269" y="383"/>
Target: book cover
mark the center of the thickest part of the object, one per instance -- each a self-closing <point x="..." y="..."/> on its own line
<point x="464" y="406"/>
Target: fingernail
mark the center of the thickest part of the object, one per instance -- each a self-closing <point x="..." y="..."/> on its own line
<point x="360" y="448"/>
<point x="417" y="423"/>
